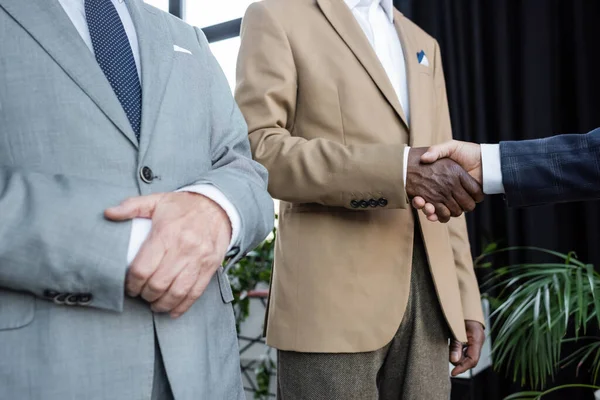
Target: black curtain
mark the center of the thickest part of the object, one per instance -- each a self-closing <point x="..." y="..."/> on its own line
<point x="521" y="69"/>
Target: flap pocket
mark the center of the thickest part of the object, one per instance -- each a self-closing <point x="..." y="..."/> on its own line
<point x="16" y="309"/>
<point x="224" y="286"/>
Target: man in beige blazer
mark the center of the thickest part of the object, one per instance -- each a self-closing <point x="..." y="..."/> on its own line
<point x="364" y="293"/>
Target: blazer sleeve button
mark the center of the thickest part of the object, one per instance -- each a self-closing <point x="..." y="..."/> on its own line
<point x="354" y="204"/>
<point x="364" y="204"/>
<point x="61" y="298"/>
<point x="383" y="202"/>
<point x="373" y="203"/>
<point x="84" y="299"/>
<point x="72" y="300"/>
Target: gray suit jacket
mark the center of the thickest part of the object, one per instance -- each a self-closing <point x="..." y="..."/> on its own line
<point x="67" y="152"/>
<point x="551" y="170"/>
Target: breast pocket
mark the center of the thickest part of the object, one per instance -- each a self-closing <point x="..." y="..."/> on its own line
<point x="16" y="309"/>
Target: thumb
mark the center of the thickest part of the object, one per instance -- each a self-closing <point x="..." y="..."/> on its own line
<point x="438" y="151"/>
<point x="456" y="350"/>
<point x="134" y="207"/>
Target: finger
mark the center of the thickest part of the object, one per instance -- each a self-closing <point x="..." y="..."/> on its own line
<point x="452" y="205"/>
<point x="164" y="275"/>
<point x="145" y="263"/>
<point x="473" y="352"/>
<point x="438" y="151"/>
<point x="464" y="366"/>
<point x="134" y="207"/>
<point x="179" y="290"/>
<point x="193" y="295"/>
<point x="429" y="209"/>
<point x="433" y="218"/>
<point x="456" y="352"/>
<point x="472" y="187"/>
<point x="442" y="212"/>
<point x="464" y="200"/>
<point x="418" y="202"/>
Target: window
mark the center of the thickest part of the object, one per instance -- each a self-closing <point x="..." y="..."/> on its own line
<point x="220" y="22"/>
<point x="162" y="4"/>
<point x="203" y="13"/>
<point x="226" y="51"/>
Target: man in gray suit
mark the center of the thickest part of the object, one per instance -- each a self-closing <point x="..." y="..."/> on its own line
<point x="103" y="101"/>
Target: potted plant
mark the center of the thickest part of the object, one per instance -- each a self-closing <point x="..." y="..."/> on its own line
<point x="536" y="305"/>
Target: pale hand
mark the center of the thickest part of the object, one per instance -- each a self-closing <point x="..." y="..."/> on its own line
<point x="187" y="244"/>
<point x="467" y="155"/>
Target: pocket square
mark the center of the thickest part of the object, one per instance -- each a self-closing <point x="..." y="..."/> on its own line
<point x="422" y="57"/>
<point x="181" y="49"/>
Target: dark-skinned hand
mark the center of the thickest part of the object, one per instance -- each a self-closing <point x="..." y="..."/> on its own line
<point x="465" y="357"/>
<point x="445" y="184"/>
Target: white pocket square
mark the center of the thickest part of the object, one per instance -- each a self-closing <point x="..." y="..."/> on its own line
<point x="181" y="49"/>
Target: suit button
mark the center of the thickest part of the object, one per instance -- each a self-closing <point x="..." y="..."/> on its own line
<point x="50" y="294"/>
<point x="383" y="202"/>
<point x="373" y="203"/>
<point x="147" y="175"/>
<point x="84" y="299"/>
<point x="355" y="203"/>
<point x="233" y="252"/>
<point x="72" y="300"/>
<point x="364" y="204"/>
<point x="61" y="298"/>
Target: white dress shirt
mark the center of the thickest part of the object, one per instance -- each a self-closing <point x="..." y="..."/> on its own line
<point x="140" y="228"/>
<point x="376" y="18"/>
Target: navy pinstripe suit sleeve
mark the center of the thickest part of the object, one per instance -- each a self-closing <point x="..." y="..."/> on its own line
<point x="552" y="170"/>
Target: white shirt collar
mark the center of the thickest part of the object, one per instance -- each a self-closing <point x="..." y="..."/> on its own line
<point x="387" y="5"/>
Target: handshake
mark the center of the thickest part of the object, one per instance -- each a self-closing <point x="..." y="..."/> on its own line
<point x="445" y="180"/>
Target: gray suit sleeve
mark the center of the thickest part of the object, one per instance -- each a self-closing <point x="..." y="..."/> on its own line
<point x="54" y="238"/>
<point x="556" y="169"/>
<point x="242" y="180"/>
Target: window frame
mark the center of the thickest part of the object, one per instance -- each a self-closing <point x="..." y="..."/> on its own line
<point x="214" y="33"/>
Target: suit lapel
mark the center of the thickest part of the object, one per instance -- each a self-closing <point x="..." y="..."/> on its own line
<point x="418" y="110"/>
<point x="156" y="55"/>
<point x="48" y="24"/>
<point x="342" y="20"/>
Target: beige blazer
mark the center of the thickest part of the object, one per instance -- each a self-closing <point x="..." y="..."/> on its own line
<point x="325" y="121"/>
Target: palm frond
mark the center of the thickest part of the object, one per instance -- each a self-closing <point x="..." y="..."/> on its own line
<point x="535" y="304"/>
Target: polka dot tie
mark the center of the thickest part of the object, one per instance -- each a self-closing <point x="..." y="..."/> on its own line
<point x="113" y="53"/>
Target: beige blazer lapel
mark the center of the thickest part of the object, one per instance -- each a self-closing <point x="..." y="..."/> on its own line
<point x="418" y="97"/>
<point x="342" y="20"/>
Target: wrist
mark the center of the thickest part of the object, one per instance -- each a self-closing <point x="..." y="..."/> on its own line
<point x="219" y="217"/>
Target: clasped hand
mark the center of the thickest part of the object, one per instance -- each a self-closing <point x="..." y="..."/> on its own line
<point x="188" y="241"/>
<point x="442" y="187"/>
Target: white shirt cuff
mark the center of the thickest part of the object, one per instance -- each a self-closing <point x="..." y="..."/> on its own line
<point x="141" y="227"/>
<point x="406" y="151"/>
<point x="218" y="197"/>
<point x="491" y="169"/>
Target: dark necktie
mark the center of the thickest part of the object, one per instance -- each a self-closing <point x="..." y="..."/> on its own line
<point x="114" y="55"/>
